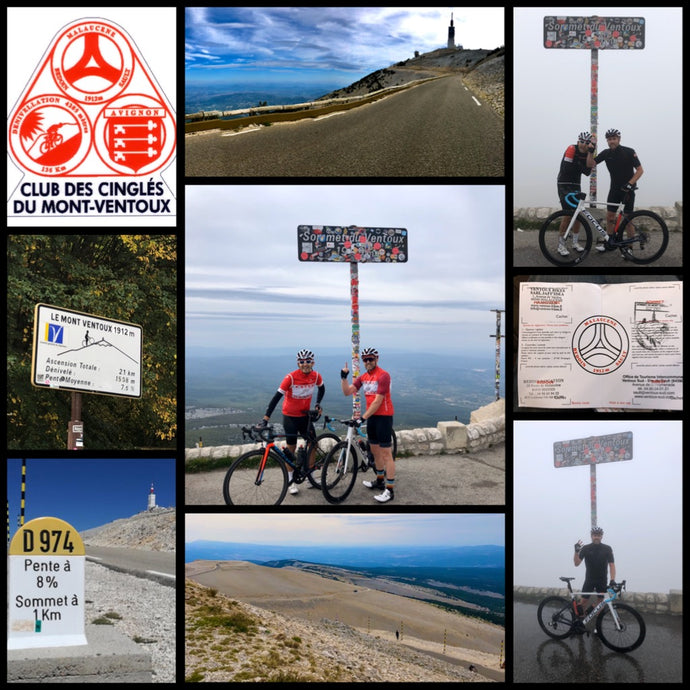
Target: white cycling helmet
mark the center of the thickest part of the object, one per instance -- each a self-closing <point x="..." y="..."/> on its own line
<point x="584" y="138"/>
<point x="305" y="354"/>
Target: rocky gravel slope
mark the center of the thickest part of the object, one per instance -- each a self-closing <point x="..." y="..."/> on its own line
<point x="231" y="641"/>
<point x="140" y="609"/>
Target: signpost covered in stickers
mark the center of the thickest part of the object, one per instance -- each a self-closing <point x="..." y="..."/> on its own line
<point x="594" y="34"/>
<point x="592" y="451"/>
<point x="353" y="245"/>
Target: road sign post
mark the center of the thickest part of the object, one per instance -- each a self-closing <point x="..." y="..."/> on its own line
<point x="594" y="34"/>
<point x="592" y="451"/>
<point x="353" y="245"/>
<point x="83" y="353"/>
<point x="46" y="571"/>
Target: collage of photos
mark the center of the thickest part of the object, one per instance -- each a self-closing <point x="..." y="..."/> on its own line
<point x="261" y="268"/>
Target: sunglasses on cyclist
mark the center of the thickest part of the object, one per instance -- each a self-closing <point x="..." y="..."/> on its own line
<point x="305" y="361"/>
<point x="368" y="359"/>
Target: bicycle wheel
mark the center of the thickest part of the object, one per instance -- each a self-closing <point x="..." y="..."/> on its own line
<point x="651" y="237"/>
<point x="550" y="235"/>
<point x="556" y="617"/>
<point x="324" y="443"/>
<point x="630" y="635"/>
<point x="339" y="472"/>
<point x="243" y="486"/>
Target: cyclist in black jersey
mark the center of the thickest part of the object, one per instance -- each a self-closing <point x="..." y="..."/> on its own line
<point x="625" y="169"/>
<point x="577" y="161"/>
<point x="598" y="558"/>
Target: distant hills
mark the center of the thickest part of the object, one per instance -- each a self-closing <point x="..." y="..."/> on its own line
<point x="225" y="391"/>
<point x="485" y="556"/>
<point x="217" y="97"/>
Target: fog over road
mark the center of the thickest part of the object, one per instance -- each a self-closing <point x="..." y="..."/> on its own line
<point x="434" y="129"/>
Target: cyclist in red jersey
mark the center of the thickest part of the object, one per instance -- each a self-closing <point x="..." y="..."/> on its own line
<point x="297" y="389"/>
<point x="376" y="384"/>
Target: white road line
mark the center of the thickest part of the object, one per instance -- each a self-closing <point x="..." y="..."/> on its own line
<point x="155" y="572"/>
<point x="475" y="100"/>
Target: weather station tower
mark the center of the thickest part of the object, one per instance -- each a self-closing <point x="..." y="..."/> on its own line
<point x="451" y="33"/>
<point x="152" y="499"/>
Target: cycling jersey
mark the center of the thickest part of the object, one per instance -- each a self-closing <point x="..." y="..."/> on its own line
<point x="373" y="383"/>
<point x="298" y="389"/>
<point x="621" y="162"/>
<point x="596" y="558"/>
<point x="573" y="165"/>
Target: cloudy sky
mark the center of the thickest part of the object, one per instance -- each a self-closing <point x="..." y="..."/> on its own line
<point x="640" y="94"/>
<point x="639" y="504"/>
<point x="262" y="45"/>
<point x="316" y="529"/>
<point x="246" y="290"/>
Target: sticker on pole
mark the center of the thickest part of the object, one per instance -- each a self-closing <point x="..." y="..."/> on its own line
<point x="92" y="133"/>
<point x="82" y="352"/>
<point x="351" y="244"/>
<point x="594" y="33"/>
<point x="46" y="570"/>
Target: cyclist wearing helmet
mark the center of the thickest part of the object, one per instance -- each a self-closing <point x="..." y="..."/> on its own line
<point x="625" y="169"/>
<point x="597" y="557"/>
<point x="577" y="161"/>
<point x="376" y="384"/>
<point x="297" y="389"/>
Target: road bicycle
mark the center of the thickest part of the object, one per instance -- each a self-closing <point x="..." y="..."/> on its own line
<point x="345" y="459"/>
<point x="260" y="476"/>
<point x="362" y="439"/>
<point x="619" y="626"/>
<point x="640" y="236"/>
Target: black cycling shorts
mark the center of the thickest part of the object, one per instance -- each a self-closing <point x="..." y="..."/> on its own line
<point x="594" y="586"/>
<point x="380" y="430"/>
<point x="295" y="426"/>
<point x="616" y="195"/>
<point x="565" y="188"/>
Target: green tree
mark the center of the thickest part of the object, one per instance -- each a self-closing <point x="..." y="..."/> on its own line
<point x="122" y="277"/>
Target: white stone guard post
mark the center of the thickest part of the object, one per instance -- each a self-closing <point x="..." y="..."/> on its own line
<point x="46" y="570"/>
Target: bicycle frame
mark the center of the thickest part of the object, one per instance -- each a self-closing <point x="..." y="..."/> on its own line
<point x="580" y="208"/>
<point x="612" y="595"/>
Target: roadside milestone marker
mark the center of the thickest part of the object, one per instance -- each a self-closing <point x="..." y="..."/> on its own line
<point x="46" y="605"/>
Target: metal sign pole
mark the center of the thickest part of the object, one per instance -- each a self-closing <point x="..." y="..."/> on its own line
<point x="354" y="304"/>
<point x="593" y="492"/>
<point x="498" y="349"/>
<point x="594" y="118"/>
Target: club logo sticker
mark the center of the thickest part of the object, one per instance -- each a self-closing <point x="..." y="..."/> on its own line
<point x="91" y="121"/>
<point x="600" y="344"/>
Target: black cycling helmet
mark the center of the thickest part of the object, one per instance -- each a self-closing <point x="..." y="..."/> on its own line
<point x="305" y="354"/>
<point x="584" y="138"/>
<point x="370" y="351"/>
<point x="597" y="530"/>
<point x="612" y="133"/>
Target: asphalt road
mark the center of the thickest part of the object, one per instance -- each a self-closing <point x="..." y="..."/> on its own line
<point x="463" y="479"/>
<point x="154" y="565"/>
<point x="584" y="659"/>
<point x="433" y="129"/>
<point x="526" y="253"/>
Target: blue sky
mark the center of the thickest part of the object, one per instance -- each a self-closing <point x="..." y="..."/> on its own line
<point x="87" y="492"/>
<point x="258" y="46"/>
<point x="314" y="529"/>
<point x="246" y="290"/>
